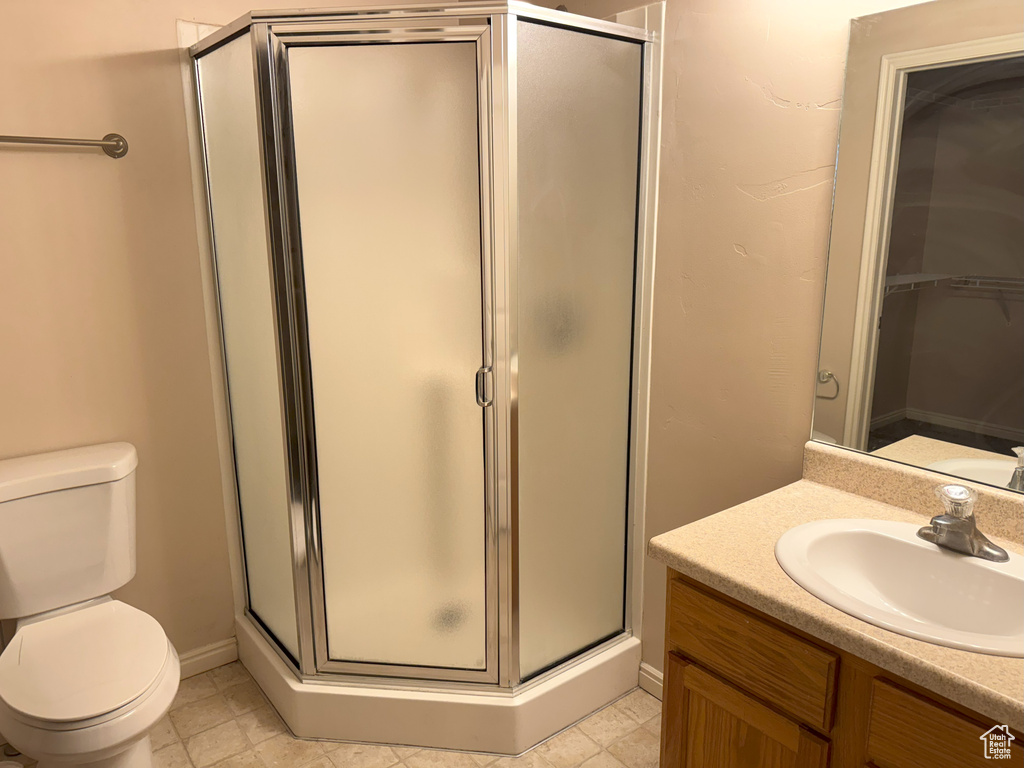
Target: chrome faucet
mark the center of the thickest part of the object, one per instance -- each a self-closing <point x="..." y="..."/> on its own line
<point x="1017" y="481"/>
<point x="957" y="529"/>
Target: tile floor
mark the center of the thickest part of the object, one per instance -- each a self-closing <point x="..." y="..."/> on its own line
<point x="220" y="719"/>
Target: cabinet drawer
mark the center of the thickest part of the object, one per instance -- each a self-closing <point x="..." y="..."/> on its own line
<point x="908" y="731"/>
<point x="790" y="673"/>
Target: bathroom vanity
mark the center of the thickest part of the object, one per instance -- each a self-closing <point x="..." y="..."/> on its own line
<point x="759" y="672"/>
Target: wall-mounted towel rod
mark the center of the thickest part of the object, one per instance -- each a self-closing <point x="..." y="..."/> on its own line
<point x="114" y="144"/>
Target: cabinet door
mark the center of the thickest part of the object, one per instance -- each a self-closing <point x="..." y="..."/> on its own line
<point x="910" y="731"/>
<point x="707" y="723"/>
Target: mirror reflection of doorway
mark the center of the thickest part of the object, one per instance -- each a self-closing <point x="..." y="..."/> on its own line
<point x="951" y="332"/>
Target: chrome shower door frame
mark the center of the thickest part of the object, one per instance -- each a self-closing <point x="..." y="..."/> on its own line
<point x="492" y="26"/>
<point x="507" y="184"/>
<point x="272" y="42"/>
<point x="227" y="34"/>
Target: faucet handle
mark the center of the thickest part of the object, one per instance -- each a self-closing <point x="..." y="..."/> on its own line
<point x="957" y="499"/>
<point x="1017" y="478"/>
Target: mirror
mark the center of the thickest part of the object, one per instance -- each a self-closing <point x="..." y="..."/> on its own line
<point x="922" y="346"/>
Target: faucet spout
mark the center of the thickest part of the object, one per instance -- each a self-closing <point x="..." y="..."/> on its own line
<point x="957" y="529"/>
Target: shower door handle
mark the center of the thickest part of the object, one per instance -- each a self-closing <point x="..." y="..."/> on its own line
<point x="483" y="387"/>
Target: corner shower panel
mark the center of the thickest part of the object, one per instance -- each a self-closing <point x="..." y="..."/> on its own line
<point x="452" y="208"/>
<point x="230" y="122"/>
<point x="578" y="132"/>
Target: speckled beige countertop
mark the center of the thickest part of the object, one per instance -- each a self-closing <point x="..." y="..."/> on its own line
<point x="734" y="552"/>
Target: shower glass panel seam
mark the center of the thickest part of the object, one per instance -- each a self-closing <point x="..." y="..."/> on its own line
<point x="640" y="374"/>
<point x="510" y="270"/>
<point x="489" y="263"/>
<point x="280" y="229"/>
<point x="635" y="333"/>
<point x="271" y="65"/>
<point x="280" y="38"/>
<point x="497" y="109"/>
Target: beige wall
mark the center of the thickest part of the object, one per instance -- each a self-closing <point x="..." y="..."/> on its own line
<point x="102" y="331"/>
<point x="750" y="119"/>
<point x="101" y="316"/>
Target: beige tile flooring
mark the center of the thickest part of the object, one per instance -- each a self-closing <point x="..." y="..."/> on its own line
<point x="220" y="719"/>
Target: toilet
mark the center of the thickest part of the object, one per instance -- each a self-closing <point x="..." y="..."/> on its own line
<point x="84" y="677"/>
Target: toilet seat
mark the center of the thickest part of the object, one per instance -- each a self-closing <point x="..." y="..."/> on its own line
<point x="84" y="667"/>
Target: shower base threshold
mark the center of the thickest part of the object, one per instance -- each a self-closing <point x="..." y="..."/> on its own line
<point x="498" y="722"/>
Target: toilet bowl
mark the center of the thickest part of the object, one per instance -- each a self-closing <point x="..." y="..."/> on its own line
<point x="85" y="686"/>
<point x="84" y="677"/>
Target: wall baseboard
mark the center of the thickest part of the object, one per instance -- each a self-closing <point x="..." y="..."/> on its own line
<point x="888" y="418"/>
<point x="967" y="425"/>
<point x="208" y="657"/>
<point x="651" y="680"/>
<point x="953" y="422"/>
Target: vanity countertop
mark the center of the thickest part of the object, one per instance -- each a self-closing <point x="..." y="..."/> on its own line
<point x="734" y="552"/>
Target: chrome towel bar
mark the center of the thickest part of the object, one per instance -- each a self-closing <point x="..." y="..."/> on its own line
<point x="114" y="144"/>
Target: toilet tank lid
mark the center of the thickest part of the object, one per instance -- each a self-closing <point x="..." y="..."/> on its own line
<point x="60" y="470"/>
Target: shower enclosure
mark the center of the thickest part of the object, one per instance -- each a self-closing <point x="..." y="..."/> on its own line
<point x="432" y="265"/>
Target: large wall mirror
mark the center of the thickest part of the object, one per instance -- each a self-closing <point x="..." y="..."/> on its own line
<point x="922" y="348"/>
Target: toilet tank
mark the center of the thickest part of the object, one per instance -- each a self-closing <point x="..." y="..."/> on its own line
<point x="67" y="527"/>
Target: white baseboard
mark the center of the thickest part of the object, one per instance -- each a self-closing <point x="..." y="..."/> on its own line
<point x="953" y="422"/>
<point x="651" y="680"/>
<point x="208" y="657"/>
<point x="888" y="418"/>
<point x="968" y="425"/>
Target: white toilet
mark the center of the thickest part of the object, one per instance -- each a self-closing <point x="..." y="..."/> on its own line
<point x="84" y="677"/>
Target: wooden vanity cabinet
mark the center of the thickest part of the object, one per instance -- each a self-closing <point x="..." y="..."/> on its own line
<point x="743" y="690"/>
<point x="708" y="723"/>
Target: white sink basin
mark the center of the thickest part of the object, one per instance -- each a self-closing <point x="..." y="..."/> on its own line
<point x="882" y="573"/>
<point x="991" y="471"/>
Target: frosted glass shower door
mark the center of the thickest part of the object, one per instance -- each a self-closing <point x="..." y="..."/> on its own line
<point x="579" y="108"/>
<point x="247" y="314"/>
<point x="388" y="185"/>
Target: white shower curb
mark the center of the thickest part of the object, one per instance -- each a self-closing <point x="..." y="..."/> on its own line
<point x="497" y="721"/>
